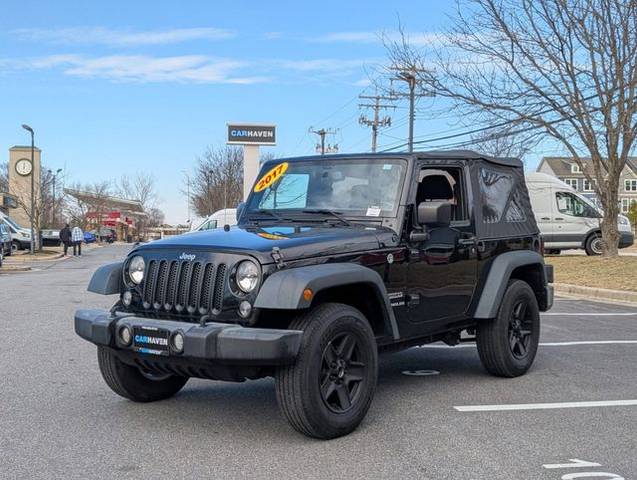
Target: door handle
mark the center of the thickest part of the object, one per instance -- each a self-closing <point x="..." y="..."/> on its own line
<point x="559" y="218"/>
<point x="545" y="218"/>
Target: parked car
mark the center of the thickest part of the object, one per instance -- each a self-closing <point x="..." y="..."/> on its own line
<point x="21" y="236"/>
<point x="105" y="235"/>
<point x="334" y="259"/>
<point x="51" y="238"/>
<point x="568" y="220"/>
<point x="225" y="216"/>
<point x="89" y="237"/>
<point x="5" y="242"/>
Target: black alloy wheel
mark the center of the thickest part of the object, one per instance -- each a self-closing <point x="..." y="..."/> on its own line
<point x="328" y="389"/>
<point x="520" y="330"/>
<point x="342" y="373"/>
<point x="508" y="343"/>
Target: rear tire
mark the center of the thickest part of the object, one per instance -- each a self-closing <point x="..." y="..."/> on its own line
<point x="129" y="382"/>
<point x="327" y="392"/>
<point x="594" y="245"/>
<point x="507" y="344"/>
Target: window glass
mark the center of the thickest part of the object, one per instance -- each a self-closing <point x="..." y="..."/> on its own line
<point x="570" y="204"/>
<point x="571" y="182"/>
<point x="291" y="193"/>
<point x="357" y="187"/>
<point x="630" y="185"/>
<point x="209" y="225"/>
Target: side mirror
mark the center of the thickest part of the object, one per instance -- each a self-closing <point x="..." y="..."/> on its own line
<point x="240" y="207"/>
<point x="434" y="214"/>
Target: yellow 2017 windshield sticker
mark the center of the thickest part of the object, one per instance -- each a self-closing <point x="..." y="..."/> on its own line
<point x="271" y="176"/>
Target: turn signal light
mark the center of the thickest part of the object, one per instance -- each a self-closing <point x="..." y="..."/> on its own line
<point x="308" y="294"/>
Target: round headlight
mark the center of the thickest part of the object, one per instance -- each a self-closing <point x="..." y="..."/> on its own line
<point x="136" y="269"/>
<point x="247" y="276"/>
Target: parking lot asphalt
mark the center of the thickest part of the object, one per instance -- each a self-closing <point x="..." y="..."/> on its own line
<point x="436" y="414"/>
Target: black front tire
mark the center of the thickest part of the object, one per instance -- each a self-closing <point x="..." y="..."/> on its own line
<point x="507" y="344"/>
<point x="328" y="390"/>
<point x="131" y="383"/>
<point x="594" y="245"/>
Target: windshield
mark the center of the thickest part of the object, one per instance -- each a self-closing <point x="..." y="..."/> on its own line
<point x="356" y="188"/>
<point x="11" y="222"/>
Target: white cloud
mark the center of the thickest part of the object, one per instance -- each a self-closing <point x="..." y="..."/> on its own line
<point x="121" y="38"/>
<point x="417" y="39"/>
<point x="191" y="68"/>
<point x="140" y="68"/>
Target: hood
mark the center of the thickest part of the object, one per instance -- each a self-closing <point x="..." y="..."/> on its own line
<point x="294" y="241"/>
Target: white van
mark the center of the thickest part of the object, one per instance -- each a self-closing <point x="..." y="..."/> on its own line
<point x="567" y="219"/>
<point x="21" y="236"/>
<point x="225" y="216"/>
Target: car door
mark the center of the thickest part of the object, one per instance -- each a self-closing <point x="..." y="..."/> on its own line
<point x="442" y="269"/>
<point x="541" y="196"/>
<point x="573" y="219"/>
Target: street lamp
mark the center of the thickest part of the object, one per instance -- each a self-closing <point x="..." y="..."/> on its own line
<point x="30" y="130"/>
<point x="53" y="178"/>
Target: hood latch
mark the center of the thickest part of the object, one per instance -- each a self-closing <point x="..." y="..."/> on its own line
<point x="277" y="257"/>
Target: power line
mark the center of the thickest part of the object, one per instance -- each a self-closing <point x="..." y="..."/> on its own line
<point x="321" y="147"/>
<point x="376" y="122"/>
<point x="497" y="125"/>
<point x="410" y="76"/>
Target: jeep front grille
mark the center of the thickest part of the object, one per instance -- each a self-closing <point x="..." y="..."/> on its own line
<point x="194" y="288"/>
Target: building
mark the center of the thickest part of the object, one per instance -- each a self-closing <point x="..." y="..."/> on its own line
<point x="19" y="176"/>
<point x="120" y="215"/>
<point x="567" y="170"/>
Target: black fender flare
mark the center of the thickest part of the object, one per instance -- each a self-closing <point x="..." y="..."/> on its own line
<point x="498" y="278"/>
<point x="284" y="289"/>
<point x="107" y="280"/>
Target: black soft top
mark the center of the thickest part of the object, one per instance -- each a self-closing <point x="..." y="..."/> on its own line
<point x="468" y="155"/>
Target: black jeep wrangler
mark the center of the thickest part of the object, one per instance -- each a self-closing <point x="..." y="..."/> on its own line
<point x="334" y="260"/>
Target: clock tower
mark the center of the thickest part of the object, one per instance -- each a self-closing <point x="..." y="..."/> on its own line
<point x="20" y="171"/>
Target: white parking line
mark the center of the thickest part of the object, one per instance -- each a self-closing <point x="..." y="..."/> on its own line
<point x="545" y="406"/>
<point x="588" y="342"/>
<point x="546" y="344"/>
<point x="590" y="314"/>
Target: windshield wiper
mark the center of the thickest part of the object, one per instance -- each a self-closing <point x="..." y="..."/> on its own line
<point x="325" y="211"/>
<point x="270" y="213"/>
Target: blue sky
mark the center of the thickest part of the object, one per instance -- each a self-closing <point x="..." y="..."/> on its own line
<point x="119" y="87"/>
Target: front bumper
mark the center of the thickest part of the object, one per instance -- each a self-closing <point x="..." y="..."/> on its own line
<point x="221" y="343"/>
<point x="626" y="239"/>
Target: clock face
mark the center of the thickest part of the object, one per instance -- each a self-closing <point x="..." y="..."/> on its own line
<point x="23" y="167"/>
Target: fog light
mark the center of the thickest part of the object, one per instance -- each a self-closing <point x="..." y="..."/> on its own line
<point x="178" y="342"/>
<point x="245" y="309"/>
<point x="127" y="298"/>
<point x="125" y="335"/>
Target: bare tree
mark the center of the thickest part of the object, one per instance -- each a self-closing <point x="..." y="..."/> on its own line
<point x="566" y="68"/>
<point x="94" y="201"/>
<point x="503" y="143"/>
<point x="4" y="177"/>
<point x="217" y="181"/>
<point x="142" y="188"/>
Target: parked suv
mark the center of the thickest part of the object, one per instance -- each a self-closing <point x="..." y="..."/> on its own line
<point x="333" y="261"/>
<point x="5" y="242"/>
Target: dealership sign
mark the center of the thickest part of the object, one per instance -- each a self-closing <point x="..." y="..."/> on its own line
<point x="251" y="134"/>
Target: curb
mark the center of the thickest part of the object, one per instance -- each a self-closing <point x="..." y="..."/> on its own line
<point x="13" y="269"/>
<point x="19" y="261"/>
<point x="591" y="293"/>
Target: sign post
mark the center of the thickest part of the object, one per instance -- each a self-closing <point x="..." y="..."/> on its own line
<point x="250" y="136"/>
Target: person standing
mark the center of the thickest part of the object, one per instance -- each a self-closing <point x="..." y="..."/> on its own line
<point x="65" y="238"/>
<point x="77" y="235"/>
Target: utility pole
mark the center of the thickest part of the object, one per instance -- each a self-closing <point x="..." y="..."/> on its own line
<point x="321" y="147"/>
<point x="377" y="122"/>
<point x="410" y="76"/>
